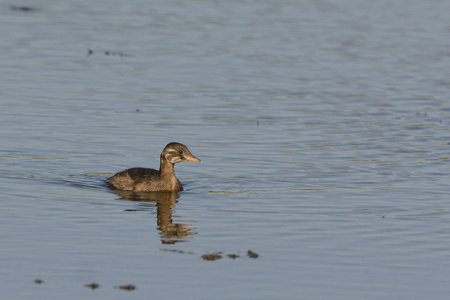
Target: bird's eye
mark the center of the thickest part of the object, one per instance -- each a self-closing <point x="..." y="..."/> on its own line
<point x="181" y="151"/>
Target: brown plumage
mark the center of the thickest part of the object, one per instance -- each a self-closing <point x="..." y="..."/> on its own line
<point x="151" y="180"/>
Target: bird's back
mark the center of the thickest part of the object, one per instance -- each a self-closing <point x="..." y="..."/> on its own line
<point x="130" y="179"/>
<point x="143" y="179"/>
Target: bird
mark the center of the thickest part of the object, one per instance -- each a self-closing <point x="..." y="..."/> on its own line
<point x="151" y="180"/>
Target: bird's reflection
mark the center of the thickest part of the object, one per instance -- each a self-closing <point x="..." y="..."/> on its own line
<point x="170" y="232"/>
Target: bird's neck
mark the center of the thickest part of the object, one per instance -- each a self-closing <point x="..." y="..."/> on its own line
<point x="166" y="168"/>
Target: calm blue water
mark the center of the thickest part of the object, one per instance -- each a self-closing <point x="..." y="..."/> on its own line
<point x="322" y="127"/>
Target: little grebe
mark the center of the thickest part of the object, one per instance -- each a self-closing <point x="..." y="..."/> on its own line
<point x="151" y="180"/>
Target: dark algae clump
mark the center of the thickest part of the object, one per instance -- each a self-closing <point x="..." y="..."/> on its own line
<point x="252" y="254"/>
<point x="92" y="285"/>
<point x="212" y="256"/>
<point x="218" y="255"/>
<point x="127" y="287"/>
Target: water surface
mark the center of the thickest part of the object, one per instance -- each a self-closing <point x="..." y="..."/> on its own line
<point x="322" y="128"/>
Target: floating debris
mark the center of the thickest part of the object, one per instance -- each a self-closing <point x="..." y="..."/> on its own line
<point x="215" y="255"/>
<point x="177" y="251"/>
<point x="22" y="8"/>
<point x="212" y="256"/>
<point x="128" y="287"/>
<point x="112" y="53"/>
<point x="38" y="281"/>
<point x="252" y="254"/>
<point x="92" y="285"/>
